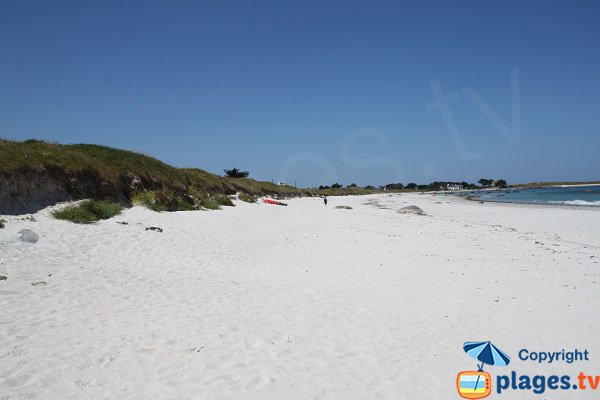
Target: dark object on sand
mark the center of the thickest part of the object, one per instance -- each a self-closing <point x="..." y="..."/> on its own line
<point x="41" y="283"/>
<point x="29" y="236"/>
<point x="154" y="228"/>
<point x="344" y="207"/>
<point x="3" y="278"/>
<point x="411" y="210"/>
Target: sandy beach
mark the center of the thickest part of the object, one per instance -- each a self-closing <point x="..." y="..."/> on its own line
<point x="301" y="302"/>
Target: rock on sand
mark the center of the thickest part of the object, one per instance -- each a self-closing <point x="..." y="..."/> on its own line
<point x="29" y="236"/>
<point x="411" y="210"/>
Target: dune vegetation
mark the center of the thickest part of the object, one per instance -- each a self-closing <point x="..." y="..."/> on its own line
<point x="88" y="211"/>
<point x="35" y="174"/>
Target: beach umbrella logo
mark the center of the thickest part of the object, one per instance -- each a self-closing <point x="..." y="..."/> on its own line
<point x="478" y="384"/>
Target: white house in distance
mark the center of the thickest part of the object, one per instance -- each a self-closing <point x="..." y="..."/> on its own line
<point x="454" y="187"/>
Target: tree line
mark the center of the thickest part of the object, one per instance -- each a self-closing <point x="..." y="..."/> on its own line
<point x="437" y="185"/>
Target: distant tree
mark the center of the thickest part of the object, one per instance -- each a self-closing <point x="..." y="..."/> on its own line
<point x="236" y="173"/>
<point x="370" y="187"/>
<point x="501" y="183"/>
<point x="336" y="186"/>
<point x="411" y="186"/>
<point x="352" y="185"/>
<point x="422" y="187"/>
<point x="394" y="186"/>
<point x="323" y="187"/>
<point x="486" y="182"/>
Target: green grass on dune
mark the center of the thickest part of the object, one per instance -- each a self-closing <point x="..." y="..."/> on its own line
<point x="88" y="211"/>
<point x="163" y="200"/>
<point x="248" y="198"/>
<point x="209" y="204"/>
<point x="223" y="200"/>
<point x="111" y="164"/>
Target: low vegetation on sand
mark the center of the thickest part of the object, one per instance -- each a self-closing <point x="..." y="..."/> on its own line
<point x="2" y="221"/>
<point x="88" y="211"/>
<point x="169" y="200"/>
<point x="248" y="198"/>
<point x="223" y="200"/>
<point x="210" y="204"/>
<point x="164" y="200"/>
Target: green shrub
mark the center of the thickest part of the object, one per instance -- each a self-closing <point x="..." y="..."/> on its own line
<point x="248" y="198"/>
<point x="210" y="204"/>
<point x="164" y="200"/>
<point x="223" y="200"/>
<point x="75" y="214"/>
<point x="185" y="205"/>
<point x="103" y="209"/>
<point x="2" y="221"/>
<point x="146" y="199"/>
<point x="88" y="211"/>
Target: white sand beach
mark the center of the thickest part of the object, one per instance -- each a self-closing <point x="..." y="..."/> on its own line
<point x="301" y="302"/>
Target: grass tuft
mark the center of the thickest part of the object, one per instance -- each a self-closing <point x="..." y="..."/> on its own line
<point x="223" y="200"/>
<point x="88" y="211"/>
<point x="2" y="222"/>
<point x="248" y="198"/>
<point x="146" y="199"/>
<point x="210" y="204"/>
<point x="164" y="200"/>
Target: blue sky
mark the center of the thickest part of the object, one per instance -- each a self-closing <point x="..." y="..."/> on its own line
<point x="313" y="92"/>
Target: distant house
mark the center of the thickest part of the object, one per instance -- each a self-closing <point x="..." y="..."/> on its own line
<point x="454" y="187"/>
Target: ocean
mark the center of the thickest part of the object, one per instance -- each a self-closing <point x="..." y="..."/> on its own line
<point x="570" y="195"/>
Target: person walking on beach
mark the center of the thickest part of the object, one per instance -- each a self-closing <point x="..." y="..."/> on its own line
<point x="325" y="200"/>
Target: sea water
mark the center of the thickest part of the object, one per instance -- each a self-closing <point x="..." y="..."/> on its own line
<point x="566" y="195"/>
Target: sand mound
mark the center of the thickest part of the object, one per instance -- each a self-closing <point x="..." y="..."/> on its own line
<point x="344" y="207"/>
<point x="411" y="210"/>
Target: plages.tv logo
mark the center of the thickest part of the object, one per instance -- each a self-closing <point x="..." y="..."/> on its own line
<point x="478" y="384"/>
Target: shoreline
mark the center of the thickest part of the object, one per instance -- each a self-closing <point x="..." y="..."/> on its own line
<point x="533" y="186"/>
<point x="477" y="196"/>
<point x="579" y="185"/>
<point x="528" y="204"/>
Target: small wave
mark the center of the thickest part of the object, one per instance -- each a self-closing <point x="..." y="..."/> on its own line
<point x="578" y="202"/>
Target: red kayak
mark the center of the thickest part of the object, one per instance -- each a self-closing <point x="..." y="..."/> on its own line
<point x="277" y="203"/>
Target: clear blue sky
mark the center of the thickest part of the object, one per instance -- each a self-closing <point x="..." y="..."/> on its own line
<point x="309" y="91"/>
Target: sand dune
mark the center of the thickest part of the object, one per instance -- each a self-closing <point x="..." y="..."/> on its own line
<point x="297" y="302"/>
